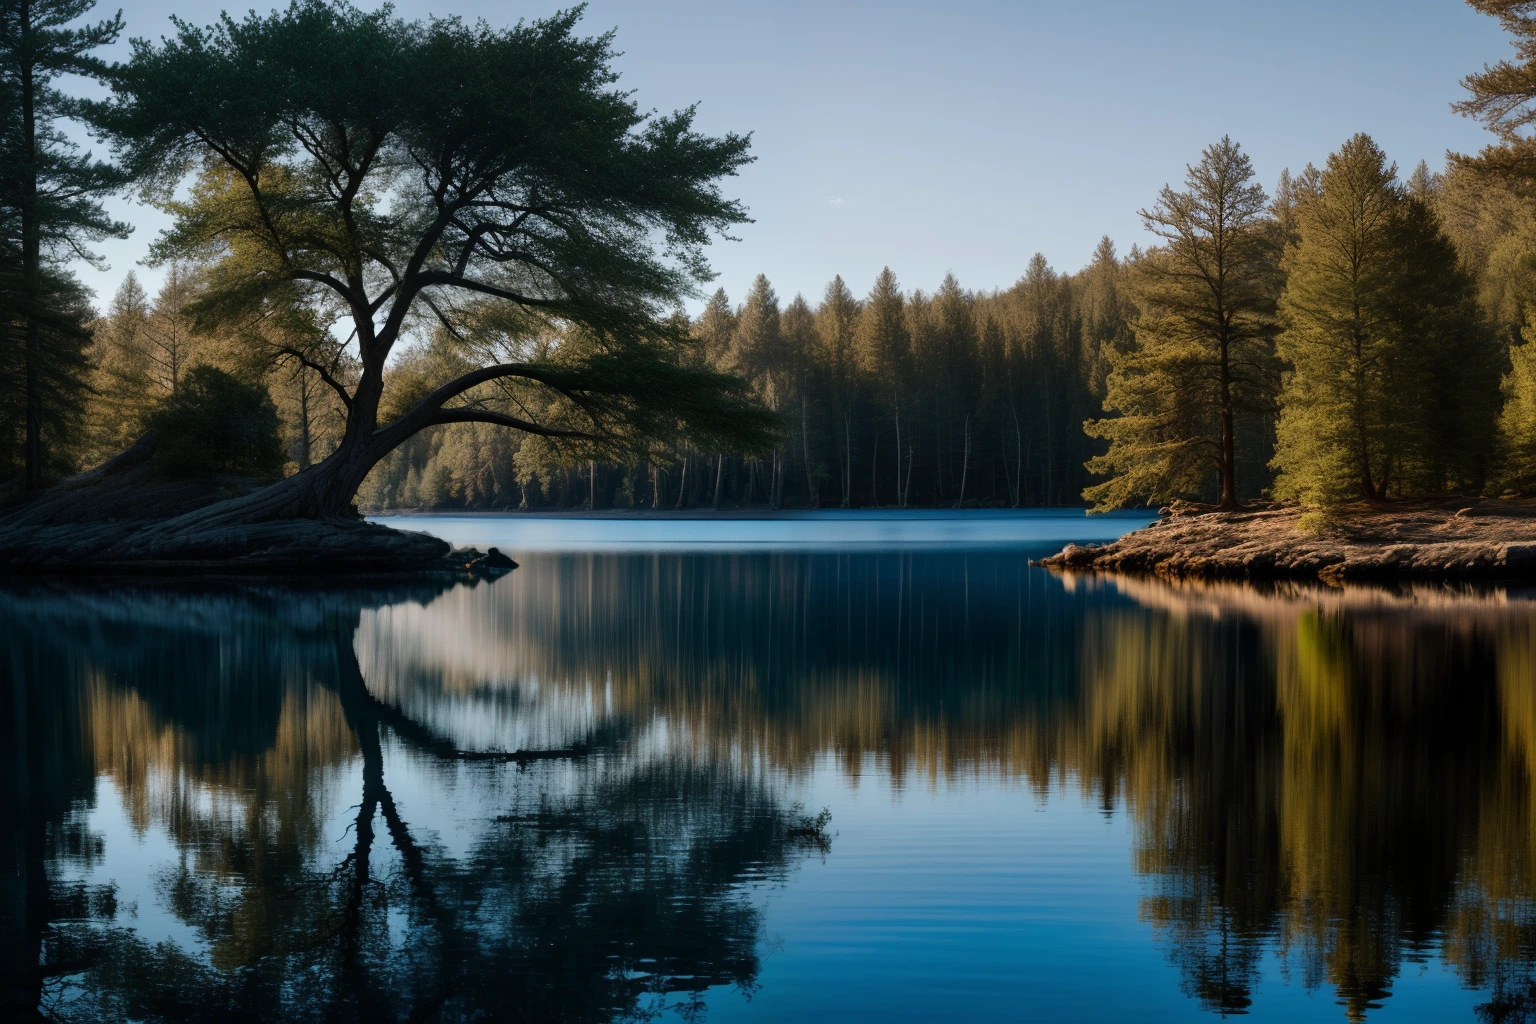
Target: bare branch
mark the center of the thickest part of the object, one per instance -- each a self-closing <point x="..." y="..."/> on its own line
<point x="325" y="375"/>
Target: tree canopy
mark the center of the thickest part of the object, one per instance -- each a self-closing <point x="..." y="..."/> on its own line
<point x="1387" y="348"/>
<point x="385" y="172"/>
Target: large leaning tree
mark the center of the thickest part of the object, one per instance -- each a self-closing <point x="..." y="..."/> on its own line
<point x="392" y="176"/>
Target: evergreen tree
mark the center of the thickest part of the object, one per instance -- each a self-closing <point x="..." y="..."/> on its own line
<point x="836" y="327"/>
<point x="1107" y="311"/>
<point x="757" y="352"/>
<point x="798" y="330"/>
<point x="1503" y="97"/>
<point x="715" y="329"/>
<point x="1203" y="350"/>
<point x="1493" y="225"/>
<point x="955" y="369"/>
<point x="1383" y="340"/>
<point x="885" y="352"/>
<point x="50" y="193"/>
<point x="121" y="373"/>
<point x="1517" y="421"/>
<point x="169" y="335"/>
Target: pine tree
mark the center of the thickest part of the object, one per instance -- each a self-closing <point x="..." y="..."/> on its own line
<point x="1517" y="420"/>
<point x="1421" y="184"/>
<point x="1203" y="350"/>
<point x="1503" y="96"/>
<point x="885" y="352"/>
<point x="169" y="333"/>
<point x="836" y="328"/>
<point x="715" y="329"/>
<point x="1107" y="312"/>
<point x="798" y="330"/>
<point x="121" y="373"/>
<point x="955" y="376"/>
<point x="1383" y="339"/>
<point x="50" y="193"/>
<point x="757" y="352"/>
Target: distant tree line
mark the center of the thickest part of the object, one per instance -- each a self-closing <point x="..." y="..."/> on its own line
<point x="1354" y="335"/>
<point x="891" y="398"/>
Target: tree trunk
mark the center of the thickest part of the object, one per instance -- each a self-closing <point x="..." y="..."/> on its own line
<point x="1228" y="444"/>
<point x="31" y="259"/>
<point x="304" y="441"/>
<point x="965" y="462"/>
<point x="1045" y="465"/>
<point x="682" y="485"/>
<point x="874" y="473"/>
<point x="805" y="449"/>
<point x="1018" y="477"/>
<point x="847" y="458"/>
<point x="719" y="477"/>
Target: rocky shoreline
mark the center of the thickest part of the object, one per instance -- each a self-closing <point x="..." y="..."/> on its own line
<point x="281" y="548"/>
<point x="1457" y="540"/>
<point x="124" y="518"/>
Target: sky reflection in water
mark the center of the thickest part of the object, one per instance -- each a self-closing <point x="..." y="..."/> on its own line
<point x="1052" y="800"/>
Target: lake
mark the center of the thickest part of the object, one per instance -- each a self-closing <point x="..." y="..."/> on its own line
<point x="834" y="766"/>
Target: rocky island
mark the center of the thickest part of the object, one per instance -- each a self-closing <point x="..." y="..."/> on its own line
<point x="1455" y="540"/>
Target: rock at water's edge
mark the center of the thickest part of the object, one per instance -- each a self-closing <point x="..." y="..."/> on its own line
<point x="1425" y="540"/>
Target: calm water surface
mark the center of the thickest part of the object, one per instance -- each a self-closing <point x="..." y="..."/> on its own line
<point x="587" y="791"/>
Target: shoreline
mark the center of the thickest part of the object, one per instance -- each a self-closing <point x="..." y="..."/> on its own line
<point x="1444" y="540"/>
<point x="291" y="548"/>
<point x="742" y="514"/>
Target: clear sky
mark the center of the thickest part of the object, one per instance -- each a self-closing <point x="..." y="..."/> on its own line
<point x="968" y="135"/>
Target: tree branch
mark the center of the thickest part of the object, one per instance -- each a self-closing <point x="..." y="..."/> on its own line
<point x="325" y="375"/>
<point x="468" y="415"/>
<point x="432" y="278"/>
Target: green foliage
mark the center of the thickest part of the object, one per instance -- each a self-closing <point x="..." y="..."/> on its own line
<point x="1313" y="523"/>
<point x="1517" y="421"/>
<point x="217" y="422"/>
<point x="501" y="161"/>
<point x="57" y="386"/>
<point x="1202" y="353"/>
<point x="1392" y="370"/>
<point x="986" y="406"/>
<point x="50" y="212"/>
<point x="358" y="165"/>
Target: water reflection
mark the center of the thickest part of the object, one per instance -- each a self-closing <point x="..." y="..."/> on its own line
<point x="1325" y="787"/>
<point x="238" y="724"/>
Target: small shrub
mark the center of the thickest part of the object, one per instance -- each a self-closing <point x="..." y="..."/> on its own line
<point x="217" y="422"/>
<point x="1313" y="523"/>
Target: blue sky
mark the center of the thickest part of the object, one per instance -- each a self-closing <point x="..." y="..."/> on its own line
<point x="967" y="136"/>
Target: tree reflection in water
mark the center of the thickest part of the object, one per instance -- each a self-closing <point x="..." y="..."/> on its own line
<point x="1340" y="779"/>
<point x="227" y="719"/>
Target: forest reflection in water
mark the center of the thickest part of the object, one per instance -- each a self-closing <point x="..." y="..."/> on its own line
<point x="1337" y="782"/>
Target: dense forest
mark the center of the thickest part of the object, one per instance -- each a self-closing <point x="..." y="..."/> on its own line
<point x="1355" y="333"/>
